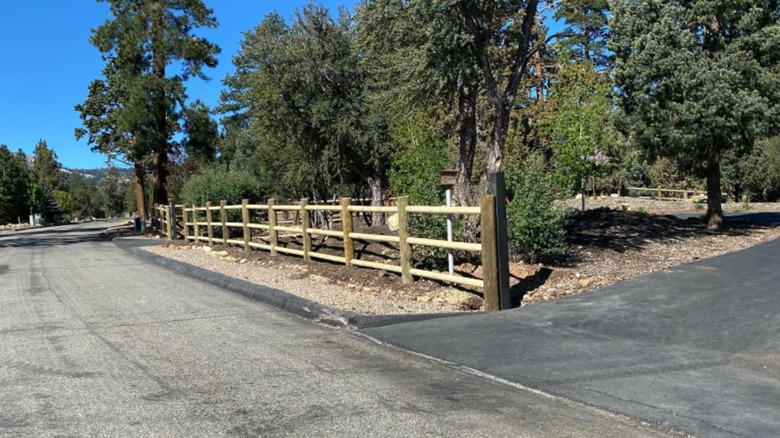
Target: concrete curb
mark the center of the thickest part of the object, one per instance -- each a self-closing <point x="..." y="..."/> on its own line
<point x="278" y="298"/>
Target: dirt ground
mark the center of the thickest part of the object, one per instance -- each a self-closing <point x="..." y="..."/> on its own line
<point x="616" y="240"/>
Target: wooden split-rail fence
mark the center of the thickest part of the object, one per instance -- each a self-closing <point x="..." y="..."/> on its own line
<point x="198" y="223"/>
<point x="659" y="192"/>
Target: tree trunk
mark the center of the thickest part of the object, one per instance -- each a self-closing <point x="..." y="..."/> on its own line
<point x="139" y="174"/>
<point x="464" y="195"/>
<point x="375" y="184"/>
<point x="539" y="73"/>
<point x="498" y="138"/>
<point x="714" y="210"/>
<point x="160" y="177"/>
<point x="467" y="109"/>
<point x="160" y="114"/>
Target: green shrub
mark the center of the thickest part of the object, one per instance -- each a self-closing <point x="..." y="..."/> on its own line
<point x="535" y="223"/>
<point x="214" y="185"/>
<point x="415" y="173"/>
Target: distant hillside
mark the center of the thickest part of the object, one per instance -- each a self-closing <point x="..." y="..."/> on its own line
<point x="99" y="174"/>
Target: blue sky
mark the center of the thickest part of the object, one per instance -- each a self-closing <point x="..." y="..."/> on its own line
<point x="48" y="64"/>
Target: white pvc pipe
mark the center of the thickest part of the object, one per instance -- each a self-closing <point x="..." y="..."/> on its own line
<point x="450" y="259"/>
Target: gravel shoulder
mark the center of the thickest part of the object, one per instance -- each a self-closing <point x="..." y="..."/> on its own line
<point x="617" y="239"/>
<point x="307" y="281"/>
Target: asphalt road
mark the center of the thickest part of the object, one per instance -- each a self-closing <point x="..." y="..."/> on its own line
<point x="95" y="342"/>
<point x="694" y="347"/>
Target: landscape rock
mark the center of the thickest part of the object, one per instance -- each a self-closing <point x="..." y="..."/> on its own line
<point x="392" y="222"/>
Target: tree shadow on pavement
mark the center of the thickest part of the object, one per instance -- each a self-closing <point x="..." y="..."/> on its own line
<point x="621" y="231"/>
<point x="49" y="237"/>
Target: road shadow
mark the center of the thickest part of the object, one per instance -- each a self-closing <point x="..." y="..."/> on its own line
<point x="54" y="236"/>
<point x="524" y="286"/>
<point x="621" y="231"/>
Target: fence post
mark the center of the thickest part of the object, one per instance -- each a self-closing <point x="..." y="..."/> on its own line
<point x="271" y="225"/>
<point x="185" y="231"/>
<point x="195" y="226"/>
<point x="346" y="227"/>
<point x="489" y="252"/>
<point x="209" y="228"/>
<point x="498" y="188"/>
<point x="304" y="226"/>
<point x="245" y="220"/>
<point x="223" y="218"/>
<point x="152" y="215"/>
<point x="403" y="235"/>
<point x="172" y="226"/>
<point x="156" y="218"/>
<point x="659" y="193"/>
<point x="168" y="222"/>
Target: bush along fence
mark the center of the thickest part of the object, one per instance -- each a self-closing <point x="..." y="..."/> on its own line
<point x="259" y="226"/>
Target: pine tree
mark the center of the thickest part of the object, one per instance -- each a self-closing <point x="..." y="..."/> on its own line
<point x="586" y="31"/>
<point x="472" y="56"/>
<point x="298" y="100"/>
<point x="201" y="134"/>
<point x="110" y="126"/>
<point x="698" y="80"/>
<point x="46" y="169"/>
<point x="13" y="185"/>
<point x="142" y="39"/>
<point x="47" y="177"/>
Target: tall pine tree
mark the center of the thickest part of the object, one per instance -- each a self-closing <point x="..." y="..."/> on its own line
<point x="143" y="38"/>
<point x="698" y="79"/>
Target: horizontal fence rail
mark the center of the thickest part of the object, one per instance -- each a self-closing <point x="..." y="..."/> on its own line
<point x="658" y="192"/>
<point x="259" y="226"/>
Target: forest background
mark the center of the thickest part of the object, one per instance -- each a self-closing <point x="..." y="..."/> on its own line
<point x="374" y="102"/>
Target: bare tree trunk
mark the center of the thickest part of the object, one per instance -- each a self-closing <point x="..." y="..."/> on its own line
<point x="375" y="184"/>
<point x="139" y="174"/>
<point x="714" y="209"/>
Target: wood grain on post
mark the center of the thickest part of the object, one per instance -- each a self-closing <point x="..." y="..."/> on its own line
<point x="245" y="220"/>
<point x="195" y="219"/>
<point x="304" y="226"/>
<point x="271" y="225"/>
<point x="489" y="253"/>
<point x="168" y="223"/>
<point x="403" y="235"/>
<point x="659" y="193"/>
<point x="209" y="228"/>
<point x="184" y="228"/>
<point x="223" y="218"/>
<point x="346" y="228"/>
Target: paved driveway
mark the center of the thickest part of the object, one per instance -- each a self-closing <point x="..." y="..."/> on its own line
<point x="696" y="347"/>
<point x="94" y="342"/>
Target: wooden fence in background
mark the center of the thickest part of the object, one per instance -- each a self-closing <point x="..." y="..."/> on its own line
<point x="198" y="223"/>
<point x="658" y="192"/>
